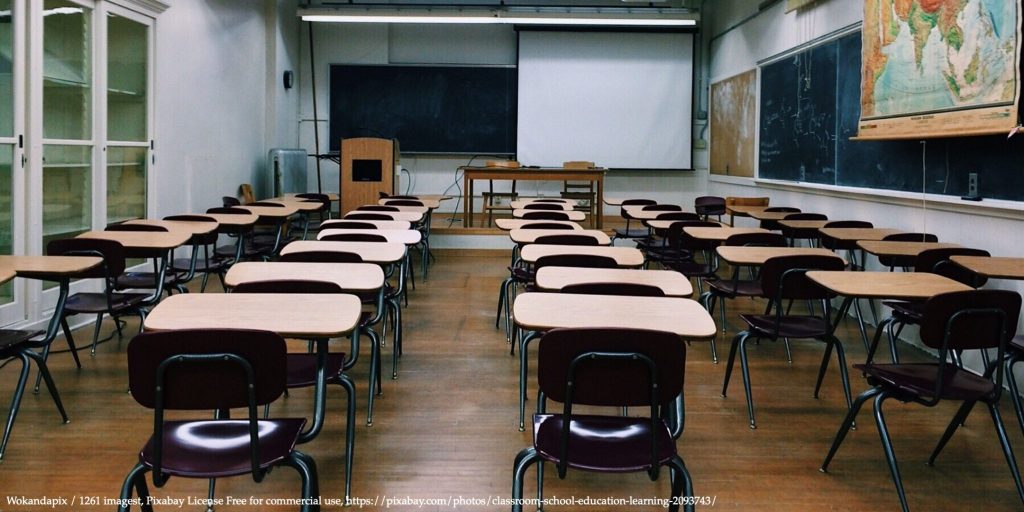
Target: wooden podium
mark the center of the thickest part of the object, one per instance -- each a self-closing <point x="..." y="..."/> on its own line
<point x="367" y="169"/>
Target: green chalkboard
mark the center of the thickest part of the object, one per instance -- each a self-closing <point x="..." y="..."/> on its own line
<point x="810" y="107"/>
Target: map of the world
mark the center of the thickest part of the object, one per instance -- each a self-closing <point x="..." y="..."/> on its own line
<point x="926" y="56"/>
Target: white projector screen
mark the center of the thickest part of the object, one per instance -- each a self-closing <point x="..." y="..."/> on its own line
<point x="622" y="100"/>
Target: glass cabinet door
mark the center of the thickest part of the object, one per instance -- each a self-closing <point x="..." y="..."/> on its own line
<point x="67" y="119"/>
<point x="8" y="142"/>
<point x="127" y="117"/>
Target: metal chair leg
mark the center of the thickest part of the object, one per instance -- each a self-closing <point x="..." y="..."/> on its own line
<point x="890" y="454"/>
<point x="523" y="461"/>
<point x="844" y="428"/>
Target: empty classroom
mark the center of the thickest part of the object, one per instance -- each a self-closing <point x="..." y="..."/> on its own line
<point x="581" y="255"/>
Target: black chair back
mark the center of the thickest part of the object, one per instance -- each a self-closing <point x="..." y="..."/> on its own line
<point x="547" y="225"/>
<point x="197" y="239"/>
<point x="212" y="384"/>
<point x="346" y="224"/>
<point x="970" y="320"/>
<point x="662" y="208"/>
<point x="227" y="201"/>
<point x="709" y="205"/>
<point x="543" y="206"/>
<point x="369" y="216"/>
<point x="354" y="237"/>
<point x="849" y="224"/>
<point x="136" y="227"/>
<point x="677" y="215"/>
<point x="405" y="202"/>
<point x="566" y="239"/>
<point x="904" y="261"/>
<point x="806" y="216"/>
<point x="111" y="251"/>
<point x="576" y="260"/>
<point x="287" y="286"/>
<point x="784" y="277"/>
<point x="937" y="261"/>
<point x="378" y="208"/>
<point x="322" y="257"/>
<point x="756" y="240"/>
<point x="546" y="215"/>
<point x="629" y="289"/>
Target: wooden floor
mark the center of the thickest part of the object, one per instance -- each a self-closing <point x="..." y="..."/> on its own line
<point x="447" y="427"/>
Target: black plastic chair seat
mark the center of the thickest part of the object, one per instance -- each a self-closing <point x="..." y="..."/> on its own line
<point x="691" y="268"/>
<point x="523" y="274"/>
<point x="146" y="280"/>
<point x="228" y="251"/>
<point x="220" y="448"/>
<point x="907" y="312"/>
<point x="729" y="288"/>
<point x="302" y="368"/>
<point x="919" y="379"/>
<point x="611" y="444"/>
<point x="630" y="233"/>
<point x="97" y="302"/>
<point x="792" y="326"/>
<point x="10" y="339"/>
<point x="214" y="265"/>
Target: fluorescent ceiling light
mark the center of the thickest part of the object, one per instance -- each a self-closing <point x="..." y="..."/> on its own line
<point x="646" y="19"/>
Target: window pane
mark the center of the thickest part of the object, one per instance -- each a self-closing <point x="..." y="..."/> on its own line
<point x="126" y="184"/>
<point x="6" y="70"/>
<point x="67" y="191"/>
<point x="127" y="45"/>
<point x="67" y="71"/>
<point x="6" y="215"/>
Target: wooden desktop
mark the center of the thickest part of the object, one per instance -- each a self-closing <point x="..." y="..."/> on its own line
<point x="469" y="174"/>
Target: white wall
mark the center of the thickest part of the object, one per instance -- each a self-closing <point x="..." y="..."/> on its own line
<point x="211" y="102"/>
<point x="451" y="44"/>
<point x="988" y="225"/>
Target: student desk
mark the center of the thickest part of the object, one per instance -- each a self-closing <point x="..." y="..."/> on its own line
<point x="317" y="316"/>
<point x="379" y="253"/>
<point x="381" y="224"/>
<point x="672" y="283"/>
<point x="857" y="234"/>
<point x="624" y="256"/>
<point x="993" y="267"/>
<point x="191" y="227"/>
<point x="402" y="236"/>
<point x="146" y="244"/>
<point x="399" y="215"/>
<point x="529" y="236"/>
<point x="742" y="210"/>
<point x="539" y="312"/>
<point x="756" y="256"/>
<point x="371" y="252"/>
<point x="60" y="269"/>
<point x="572" y="215"/>
<point x="300" y="205"/>
<point x="429" y="202"/>
<point x="423" y="210"/>
<point x="665" y="224"/>
<point x="719" y="234"/>
<point x="646" y="215"/>
<point x="803" y="224"/>
<point x="614" y="201"/>
<point x="470" y="174"/>
<point x="911" y="286"/>
<point x="272" y="213"/>
<point x="510" y="224"/>
<point x="350" y="277"/>
<point x="231" y="220"/>
<point x="521" y="204"/>
<point x="884" y="248"/>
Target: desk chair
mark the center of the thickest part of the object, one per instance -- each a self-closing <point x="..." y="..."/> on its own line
<point x="546" y="215"/>
<point x="773" y="225"/>
<point x="936" y="261"/>
<point x="850" y="246"/>
<point x="210" y="264"/>
<point x="784" y="279"/>
<point x="606" y="368"/>
<point x="706" y="206"/>
<point x="796" y="234"/>
<point x="302" y="367"/>
<point x="108" y="301"/>
<point x="631" y="233"/>
<point x="242" y="248"/>
<point x="22" y="345"/>
<point x="378" y="208"/>
<point x="270" y="242"/>
<point x="217" y="369"/>
<point x="173" y="280"/>
<point x="951" y="322"/>
<point x="904" y="262"/>
<point x="323" y="213"/>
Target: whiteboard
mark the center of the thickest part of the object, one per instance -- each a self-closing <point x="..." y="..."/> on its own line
<point x="619" y="99"/>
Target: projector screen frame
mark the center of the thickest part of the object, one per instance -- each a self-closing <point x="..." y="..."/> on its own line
<point x="694" y="31"/>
